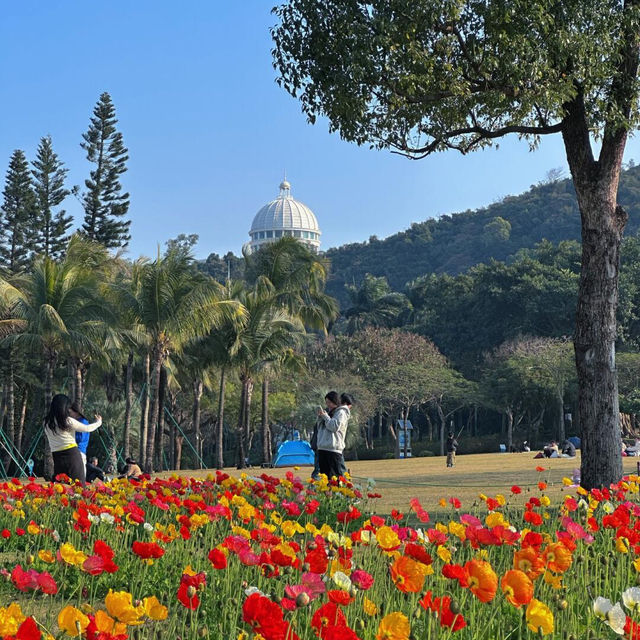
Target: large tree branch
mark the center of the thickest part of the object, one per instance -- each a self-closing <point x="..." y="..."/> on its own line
<point x="622" y="95"/>
<point x="479" y="133"/>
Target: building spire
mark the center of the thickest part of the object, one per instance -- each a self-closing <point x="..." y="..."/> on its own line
<point x="285" y="187"/>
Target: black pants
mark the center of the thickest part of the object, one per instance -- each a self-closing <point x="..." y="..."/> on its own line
<point x="70" y="463"/>
<point x="331" y="463"/>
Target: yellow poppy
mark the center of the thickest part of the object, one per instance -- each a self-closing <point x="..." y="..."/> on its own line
<point x="394" y="626"/>
<point x="539" y="617"/>
<point x="72" y="621"/>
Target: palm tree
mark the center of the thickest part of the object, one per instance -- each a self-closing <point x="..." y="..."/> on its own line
<point x="268" y="336"/>
<point x="55" y="310"/>
<point x="296" y="278"/>
<point x="373" y="304"/>
<point x="174" y="304"/>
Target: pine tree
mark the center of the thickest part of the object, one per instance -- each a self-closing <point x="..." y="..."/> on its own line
<point x="18" y="211"/>
<point x="104" y="203"/>
<point x="49" y="232"/>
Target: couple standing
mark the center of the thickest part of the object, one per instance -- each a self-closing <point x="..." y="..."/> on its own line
<point x="329" y="435"/>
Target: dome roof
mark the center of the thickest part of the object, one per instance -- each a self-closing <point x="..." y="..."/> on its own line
<point x="285" y="213"/>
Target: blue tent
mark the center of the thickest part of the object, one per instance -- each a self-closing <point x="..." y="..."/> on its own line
<point x="575" y="441"/>
<point x="294" y="452"/>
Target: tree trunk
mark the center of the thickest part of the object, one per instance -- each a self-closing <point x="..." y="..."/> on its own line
<point x="241" y="453"/>
<point x="11" y="397"/>
<point x="178" y="462"/>
<point x="197" y="397"/>
<point x="48" y="395"/>
<point x="442" y="420"/>
<point x="23" y="416"/>
<point x="77" y="383"/>
<point x="247" y="417"/>
<point x="429" y="425"/>
<point x="128" y="391"/>
<point x="561" y="433"/>
<point x="160" y="438"/>
<point x="144" y="413"/>
<point x="602" y="226"/>
<point x="220" y="427"/>
<point x="266" y="449"/>
<point x="509" y="423"/>
<point x="155" y="405"/>
<point x="405" y="431"/>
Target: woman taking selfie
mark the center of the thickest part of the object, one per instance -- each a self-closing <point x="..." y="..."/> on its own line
<point x="60" y="429"/>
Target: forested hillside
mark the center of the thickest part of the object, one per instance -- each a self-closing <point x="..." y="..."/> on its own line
<point x="454" y="243"/>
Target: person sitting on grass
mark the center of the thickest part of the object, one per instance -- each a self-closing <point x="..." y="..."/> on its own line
<point x="131" y="470"/>
<point x="94" y="472"/>
<point x="568" y="449"/>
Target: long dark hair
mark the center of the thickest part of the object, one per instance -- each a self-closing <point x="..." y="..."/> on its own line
<point x="59" y="412"/>
<point x="76" y="409"/>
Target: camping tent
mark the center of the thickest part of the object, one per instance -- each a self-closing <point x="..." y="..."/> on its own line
<point x="294" y="452"/>
<point x="575" y="441"/>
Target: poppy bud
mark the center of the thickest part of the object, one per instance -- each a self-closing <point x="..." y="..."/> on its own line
<point x="203" y="632"/>
<point x="353" y="592"/>
<point x="454" y="606"/>
<point x="417" y="613"/>
<point x="562" y="605"/>
<point x="30" y="559"/>
<point x="303" y="599"/>
<point x="360" y="624"/>
<point x="191" y="591"/>
<point x="312" y="546"/>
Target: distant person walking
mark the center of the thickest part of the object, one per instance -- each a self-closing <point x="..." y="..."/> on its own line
<point x="451" y="447"/>
<point x="331" y="437"/>
<point x="60" y="429"/>
<point x="331" y="401"/>
<point x="82" y="437"/>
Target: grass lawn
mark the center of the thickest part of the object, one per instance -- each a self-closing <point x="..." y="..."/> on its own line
<point x="429" y="480"/>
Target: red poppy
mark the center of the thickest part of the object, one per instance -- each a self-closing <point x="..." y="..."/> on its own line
<point x="339" y="633"/>
<point x="456" y="572"/>
<point x="23" y="580"/>
<point x="338" y="596"/>
<point x="147" y="550"/>
<point x="188" y="590"/>
<point x="217" y="559"/>
<point x="28" y="630"/>
<point x="540" y="469"/>
<point x="442" y="606"/>
<point x="266" y="618"/>
<point x="46" y="583"/>
<point x="455" y="503"/>
<point x="328" y="615"/>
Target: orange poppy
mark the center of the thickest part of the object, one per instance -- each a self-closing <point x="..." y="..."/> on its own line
<point x="557" y="557"/>
<point x="517" y="587"/>
<point x="408" y="574"/>
<point x="528" y="561"/>
<point x="483" y="581"/>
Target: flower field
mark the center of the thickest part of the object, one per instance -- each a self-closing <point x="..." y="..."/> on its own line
<point x="262" y="558"/>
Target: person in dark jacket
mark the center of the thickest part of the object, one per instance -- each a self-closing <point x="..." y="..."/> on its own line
<point x="94" y="472"/>
<point x="331" y="402"/>
<point x="568" y="449"/>
<point x="451" y="447"/>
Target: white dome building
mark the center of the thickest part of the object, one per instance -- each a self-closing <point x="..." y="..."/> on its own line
<point x="282" y="217"/>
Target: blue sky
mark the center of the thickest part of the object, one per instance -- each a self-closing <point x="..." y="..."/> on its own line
<point x="208" y="130"/>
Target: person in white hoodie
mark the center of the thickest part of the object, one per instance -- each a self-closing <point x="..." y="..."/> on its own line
<point x="331" y="437"/>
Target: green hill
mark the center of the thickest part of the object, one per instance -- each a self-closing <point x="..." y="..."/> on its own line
<point x="453" y="243"/>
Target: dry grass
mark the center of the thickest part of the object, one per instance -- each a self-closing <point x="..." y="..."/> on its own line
<point x="429" y="480"/>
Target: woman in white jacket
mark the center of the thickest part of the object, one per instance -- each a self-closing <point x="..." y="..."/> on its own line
<point x="331" y="438"/>
<point x="60" y="429"/>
